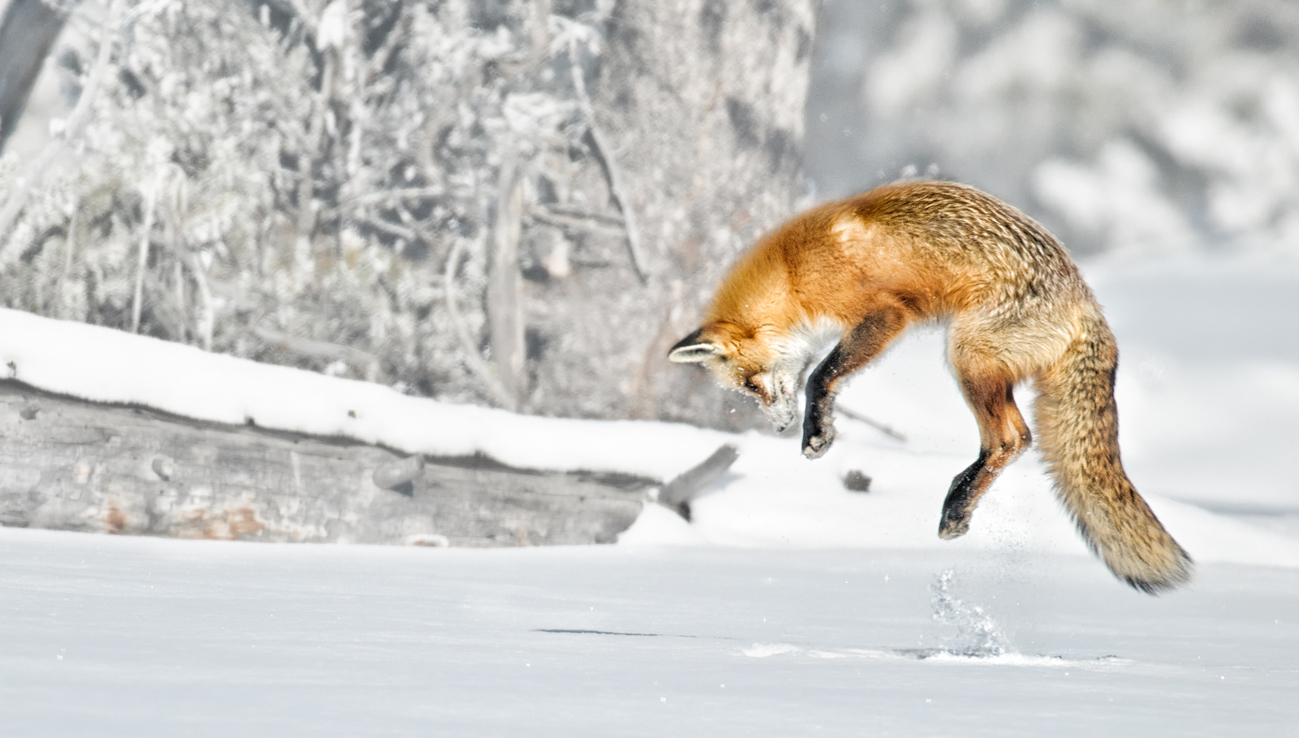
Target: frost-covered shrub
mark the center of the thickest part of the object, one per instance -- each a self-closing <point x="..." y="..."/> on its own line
<point x="295" y="175"/>
<point x="294" y="181"/>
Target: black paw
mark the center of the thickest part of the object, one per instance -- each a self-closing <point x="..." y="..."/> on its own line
<point x="817" y="440"/>
<point x="962" y="496"/>
<point x="953" y="525"/>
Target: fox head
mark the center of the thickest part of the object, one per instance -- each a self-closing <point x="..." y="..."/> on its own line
<point x="748" y="361"/>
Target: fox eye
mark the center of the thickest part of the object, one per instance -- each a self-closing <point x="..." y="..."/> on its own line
<point x="749" y="385"/>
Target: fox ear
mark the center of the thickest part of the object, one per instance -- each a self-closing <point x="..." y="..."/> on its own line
<point x="693" y="349"/>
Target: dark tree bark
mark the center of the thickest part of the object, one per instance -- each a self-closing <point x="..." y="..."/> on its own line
<point x="27" y="31"/>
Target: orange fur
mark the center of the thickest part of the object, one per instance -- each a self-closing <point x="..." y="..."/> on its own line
<point x="1017" y="310"/>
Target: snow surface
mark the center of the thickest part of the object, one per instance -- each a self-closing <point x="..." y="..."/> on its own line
<point x="110" y="636"/>
<point x="820" y="609"/>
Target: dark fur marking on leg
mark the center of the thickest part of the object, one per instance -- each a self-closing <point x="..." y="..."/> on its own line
<point x="856" y="350"/>
<point x="818" y="434"/>
<point x="957" y="507"/>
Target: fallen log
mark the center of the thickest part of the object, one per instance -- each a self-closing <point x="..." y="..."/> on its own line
<point x="70" y="464"/>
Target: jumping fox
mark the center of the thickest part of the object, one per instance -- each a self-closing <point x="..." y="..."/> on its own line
<point x="862" y="269"/>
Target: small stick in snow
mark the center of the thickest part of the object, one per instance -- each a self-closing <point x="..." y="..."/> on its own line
<point x="399" y="475"/>
<point x="676" y="494"/>
<point x="886" y="430"/>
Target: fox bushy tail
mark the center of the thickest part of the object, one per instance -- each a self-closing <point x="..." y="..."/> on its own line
<point x="1077" y="428"/>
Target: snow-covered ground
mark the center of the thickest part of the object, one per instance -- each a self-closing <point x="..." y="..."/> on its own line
<point x="819" y="609"/>
<point x="145" y="637"/>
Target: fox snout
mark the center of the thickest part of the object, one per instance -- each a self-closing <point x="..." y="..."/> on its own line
<point x="781" y="403"/>
<point x="770" y="386"/>
<point x="781" y="415"/>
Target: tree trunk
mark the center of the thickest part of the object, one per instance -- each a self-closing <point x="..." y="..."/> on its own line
<point x="504" y="306"/>
<point x="27" y="30"/>
<point x="702" y="102"/>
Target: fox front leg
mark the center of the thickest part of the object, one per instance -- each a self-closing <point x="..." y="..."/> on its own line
<point x="818" y="420"/>
<point x="862" y="344"/>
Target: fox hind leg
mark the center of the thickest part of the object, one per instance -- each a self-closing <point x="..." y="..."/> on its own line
<point x="1003" y="437"/>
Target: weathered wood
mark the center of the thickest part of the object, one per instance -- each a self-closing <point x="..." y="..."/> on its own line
<point x="67" y="464"/>
<point x="677" y="494"/>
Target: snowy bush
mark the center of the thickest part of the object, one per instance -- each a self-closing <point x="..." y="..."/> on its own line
<point x="299" y="181"/>
<point x="1134" y="127"/>
<point x="295" y="177"/>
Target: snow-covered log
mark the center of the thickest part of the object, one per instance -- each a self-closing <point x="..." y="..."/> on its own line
<point x="70" y="464"/>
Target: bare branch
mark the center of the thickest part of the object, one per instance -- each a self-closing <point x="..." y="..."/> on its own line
<point x="323" y="350"/>
<point x="886" y="430"/>
<point x="604" y="152"/>
<point x="477" y="365"/>
<point x="539" y="28"/>
<point x="306" y="161"/>
<point x="576" y="212"/>
<point x="403" y="193"/>
<point x="565" y="221"/>
<point x="150" y="200"/>
<point x="391" y="228"/>
<point x="207" y="320"/>
<point x="504" y="308"/>
<point x="69" y="248"/>
<point x="379" y="59"/>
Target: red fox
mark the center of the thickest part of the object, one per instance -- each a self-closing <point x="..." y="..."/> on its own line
<point x="862" y="269"/>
